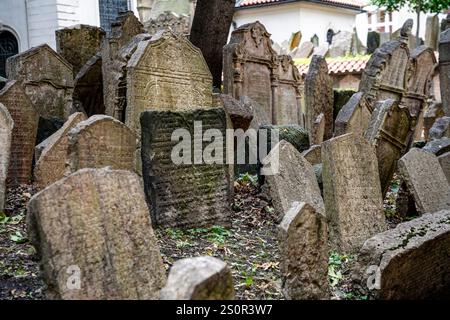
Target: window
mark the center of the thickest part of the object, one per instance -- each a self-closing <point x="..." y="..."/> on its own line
<point x="109" y="11"/>
<point x="380" y="21"/>
<point x="8" y="48"/>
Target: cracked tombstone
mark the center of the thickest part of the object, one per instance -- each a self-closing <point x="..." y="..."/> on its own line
<point x="6" y="129"/>
<point x="200" y="278"/>
<point x="89" y="218"/>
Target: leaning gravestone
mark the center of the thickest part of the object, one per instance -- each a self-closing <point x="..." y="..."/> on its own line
<point x="444" y="161"/>
<point x="115" y="56"/>
<point x="166" y="73"/>
<point x="426" y="180"/>
<point x="287" y="108"/>
<point x="319" y="96"/>
<point x="438" y="146"/>
<point x="200" y="278"/>
<point x="303" y="241"/>
<point x="47" y="79"/>
<point x="51" y="154"/>
<point x="432" y="32"/>
<point x="24" y="133"/>
<point x="304" y="51"/>
<point x="88" y="87"/>
<point x="390" y="131"/>
<point x="101" y="141"/>
<point x="342" y="44"/>
<point x="295" y="180"/>
<point x="250" y="64"/>
<point x="6" y="128"/>
<point x="94" y="224"/>
<point x="440" y="129"/>
<point x="409" y="262"/>
<point x="444" y="69"/>
<point x="77" y="44"/>
<point x="184" y="188"/>
<point x="354" y="117"/>
<point x="352" y="191"/>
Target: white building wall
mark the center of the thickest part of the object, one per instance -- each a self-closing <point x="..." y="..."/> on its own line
<point x="42" y="22"/>
<point x="14" y="19"/>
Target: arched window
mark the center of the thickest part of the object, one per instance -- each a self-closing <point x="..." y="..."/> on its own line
<point x="8" y="47"/>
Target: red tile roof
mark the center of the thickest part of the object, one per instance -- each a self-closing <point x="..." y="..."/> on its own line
<point x="340" y="66"/>
<point x="348" y="3"/>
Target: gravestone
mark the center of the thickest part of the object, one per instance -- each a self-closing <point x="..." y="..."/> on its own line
<point x="185" y="192"/>
<point x="317" y="132"/>
<point x="390" y="131"/>
<point x="166" y="73"/>
<point x="250" y="64"/>
<point x="444" y="69"/>
<point x="294" y="182"/>
<point x="313" y="155"/>
<point x="303" y="242"/>
<point x="434" y="112"/>
<point x="95" y="224"/>
<point x="315" y="40"/>
<point x="295" y="40"/>
<point x="426" y="180"/>
<point x="51" y="154"/>
<point x="169" y="20"/>
<point x="407" y="263"/>
<point x="101" y="141"/>
<point x="186" y="7"/>
<point x="304" y="51"/>
<point x="342" y="44"/>
<point x="200" y="278"/>
<point x="432" y="32"/>
<point x="47" y="79"/>
<point x="354" y="117"/>
<point x="77" y="44"/>
<point x="320" y="51"/>
<point x="352" y="191"/>
<point x="440" y="128"/>
<point x="437" y="146"/>
<point x="88" y="87"/>
<point x="25" y="118"/>
<point x="373" y="41"/>
<point x="444" y="161"/>
<point x="287" y="105"/>
<point x="319" y="96"/>
<point x="240" y="111"/>
<point x="6" y="129"/>
<point x="116" y="51"/>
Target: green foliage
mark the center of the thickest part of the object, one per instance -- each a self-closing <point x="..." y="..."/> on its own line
<point x="248" y="178"/>
<point x="18" y="237"/>
<point x="434" y="6"/>
<point x="335" y="263"/>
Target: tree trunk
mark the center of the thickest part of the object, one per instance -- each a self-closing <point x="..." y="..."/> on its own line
<point x="210" y="29"/>
<point x="418" y="27"/>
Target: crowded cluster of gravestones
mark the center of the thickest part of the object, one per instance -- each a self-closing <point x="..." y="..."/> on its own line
<point x="92" y="124"/>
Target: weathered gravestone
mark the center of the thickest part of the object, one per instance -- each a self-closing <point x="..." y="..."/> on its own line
<point x="313" y="155"/>
<point x="304" y="51"/>
<point x="47" y="79"/>
<point x="342" y="44"/>
<point x="434" y="112"/>
<point x="287" y="109"/>
<point x="389" y="131"/>
<point x="51" y="154"/>
<point x="168" y="20"/>
<point x="425" y="180"/>
<point x="101" y="141"/>
<point x="354" y="117"/>
<point x="200" y="278"/>
<point x="240" y="111"/>
<point x="6" y="128"/>
<point x="95" y="224"/>
<point x="77" y="44"/>
<point x="166" y="73"/>
<point x="186" y="7"/>
<point x="303" y="241"/>
<point x="444" y="69"/>
<point x="294" y="181"/>
<point x="116" y="51"/>
<point x="319" y="96"/>
<point x="438" y="146"/>
<point x="432" y="32"/>
<point x="444" y="161"/>
<point x="250" y="64"/>
<point x="409" y="262"/>
<point x="320" y="51"/>
<point x="352" y="191"/>
<point x="24" y="133"/>
<point x="373" y="41"/>
<point x="440" y="129"/>
<point x="183" y="189"/>
<point x="88" y="87"/>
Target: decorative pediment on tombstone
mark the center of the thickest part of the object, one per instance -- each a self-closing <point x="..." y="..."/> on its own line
<point x="169" y="21"/>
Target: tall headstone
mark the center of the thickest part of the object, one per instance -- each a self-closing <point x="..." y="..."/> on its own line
<point x="77" y="44"/>
<point x="95" y="224"/>
<point x="6" y="128"/>
<point x="444" y="69"/>
<point x="116" y="52"/>
<point x="432" y="32"/>
<point x="303" y="241"/>
<point x="250" y="64"/>
<point x="101" y="141"/>
<point x="390" y="131"/>
<point x="352" y="191"/>
<point x="319" y="96"/>
<point x="200" y="278"/>
<point x="166" y="73"/>
<point x="51" y="154"/>
<point x="410" y="262"/>
<point x="88" y="87"/>
<point x="287" y="106"/>
<point x="183" y="189"/>
<point x="47" y="79"/>
<point x="25" y="118"/>
<point x="426" y="180"/>
<point x="294" y="182"/>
